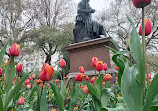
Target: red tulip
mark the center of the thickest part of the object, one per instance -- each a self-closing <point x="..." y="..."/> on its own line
<point x="62" y="63"/>
<point x="0" y="71"/>
<point x="141" y="3"/>
<point x="19" y="67"/>
<point x="116" y="80"/>
<point x="39" y="81"/>
<point x="150" y="81"/>
<point x="81" y="70"/>
<point x="56" y="80"/>
<point x="148" y="66"/>
<point x="15" y="50"/>
<point x="18" y="79"/>
<point x="21" y="101"/>
<point x="105" y="66"/>
<point x="103" y="83"/>
<point x="46" y="72"/>
<point x="48" y="85"/>
<point x="86" y="90"/>
<point x="149" y="76"/>
<point x="87" y="78"/>
<point x="107" y="77"/>
<point x="94" y="61"/>
<point x="93" y="79"/>
<point x="99" y="66"/>
<point x="27" y="81"/>
<point x="148" y="27"/>
<point x="117" y="68"/>
<point x="30" y="78"/>
<point x="79" y="77"/>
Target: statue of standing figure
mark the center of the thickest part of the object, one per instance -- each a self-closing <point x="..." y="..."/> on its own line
<point x="85" y="28"/>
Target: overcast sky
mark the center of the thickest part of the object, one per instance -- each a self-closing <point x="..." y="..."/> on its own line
<point x="97" y="4"/>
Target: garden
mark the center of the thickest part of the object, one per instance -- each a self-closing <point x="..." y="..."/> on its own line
<point x="132" y="88"/>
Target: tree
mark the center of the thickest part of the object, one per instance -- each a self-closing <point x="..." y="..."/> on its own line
<point x="118" y="27"/>
<point x="49" y="40"/>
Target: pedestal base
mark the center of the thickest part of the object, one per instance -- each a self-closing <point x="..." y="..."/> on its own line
<point x="81" y="54"/>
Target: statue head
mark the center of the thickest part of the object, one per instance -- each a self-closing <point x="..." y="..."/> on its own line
<point x="86" y="0"/>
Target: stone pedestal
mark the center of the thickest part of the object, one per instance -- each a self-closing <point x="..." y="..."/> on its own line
<point x="81" y="54"/>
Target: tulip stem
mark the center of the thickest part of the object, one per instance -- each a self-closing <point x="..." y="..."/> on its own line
<point x="63" y="75"/>
<point x="144" y="55"/>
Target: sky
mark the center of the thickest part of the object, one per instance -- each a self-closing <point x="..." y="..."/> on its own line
<point x="97" y="4"/>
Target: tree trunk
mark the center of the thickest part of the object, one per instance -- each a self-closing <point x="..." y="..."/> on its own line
<point x="48" y="59"/>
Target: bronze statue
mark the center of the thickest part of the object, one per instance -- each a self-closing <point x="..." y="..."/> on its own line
<point x="85" y="28"/>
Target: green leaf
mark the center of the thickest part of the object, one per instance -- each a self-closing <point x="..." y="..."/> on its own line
<point x="153" y="108"/>
<point x="1" y="92"/>
<point x="58" y="98"/>
<point x="96" y="103"/>
<point x="105" y="99"/>
<point x="115" y="45"/>
<point x="1" y="103"/>
<point x="43" y="103"/>
<point x="113" y="50"/>
<point x="9" y="75"/>
<point x="2" y="53"/>
<point x="99" y="82"/>
<point x="130" y="20"/>
<point x="103" y="109"/>
<point x="152" y="91"/>
<point x="131" y="89"/>
<point x="37" y="108"/>
<point x="31" y="95"/>
<point x="136" y="48"/>
<point x="62" y="90"/>
<point x="14" y="90"/>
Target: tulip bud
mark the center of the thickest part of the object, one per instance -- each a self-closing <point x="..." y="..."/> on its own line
<point x="93" y="79"/>
<point x="39" y="82"/>
<point x="148" y="27"/>
<point x="21" y="101"/>
<point x="94" y="61"/>
<point x="56" y="80"/>
<point x="105" y="66"/>
<point x="141" y="3"/>
<point x="15" y="50"/>
<point x="148" y="66"/>
<point x="46" y="72"/>
<point x="103" y="83"/>
<point x="62" y="63"/>
<point x="27" y="81"/>
<point x="81" y="70"/>
<point x="28" y="86"/>
<point x="33" y="76"/>
<point x="87" y="78"/>
<point x="52" y="81"/>
<point x="30" y="78"/>
<point x="0" y="71"/>
<point x="79" y="77"/>
<point x="117" y="68"/>
<point x="99" y="66"/>
<point x="107" y="77"/>
<point x="86" y="90"/>
<point x="19" y="67"/>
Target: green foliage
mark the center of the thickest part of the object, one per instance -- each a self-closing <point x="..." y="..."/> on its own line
<point x="58" y="97"/>
<point x="152" y="92"/>
<point x="131" y="89"/>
